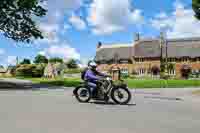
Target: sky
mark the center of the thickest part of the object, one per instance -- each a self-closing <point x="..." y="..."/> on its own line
<point x="73" y="28"/>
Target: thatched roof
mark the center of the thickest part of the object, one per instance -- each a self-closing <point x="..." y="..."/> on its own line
<point x="183" y="47"/>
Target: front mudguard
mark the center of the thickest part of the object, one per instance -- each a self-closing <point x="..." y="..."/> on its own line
<point x="121" y="85"/>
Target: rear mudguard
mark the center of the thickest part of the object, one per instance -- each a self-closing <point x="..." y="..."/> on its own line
<point x="76" y="89"/>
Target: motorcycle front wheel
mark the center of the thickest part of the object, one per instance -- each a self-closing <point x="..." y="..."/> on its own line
<point x="121" y="95"/>
<point x="83" y="94"/>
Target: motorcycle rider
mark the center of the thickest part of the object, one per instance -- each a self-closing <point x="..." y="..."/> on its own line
<point x="93" y="76"/>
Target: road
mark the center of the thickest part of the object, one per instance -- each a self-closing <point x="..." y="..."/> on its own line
<point x="56" y="111"/>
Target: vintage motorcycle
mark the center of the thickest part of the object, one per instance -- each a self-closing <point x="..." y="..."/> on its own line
<point x="106" y="89"/>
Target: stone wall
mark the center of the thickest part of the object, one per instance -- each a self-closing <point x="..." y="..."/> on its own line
<point x="149" y="64"/>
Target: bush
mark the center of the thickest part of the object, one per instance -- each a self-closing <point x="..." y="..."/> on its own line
<point x="72" y="71"/>
<point x="38" y="71"/>
<point x="124" y="76"/>
<point x="29" y="70"/>
<point x="132" y="76"/>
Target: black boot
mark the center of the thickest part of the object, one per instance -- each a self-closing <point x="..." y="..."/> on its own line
<point x="94" y="94"/>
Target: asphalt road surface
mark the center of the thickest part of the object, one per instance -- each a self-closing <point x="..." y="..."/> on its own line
<point x="56" y="111"/>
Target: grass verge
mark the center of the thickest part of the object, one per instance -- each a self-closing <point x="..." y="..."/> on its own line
<point x="67" y="82"/>
<point x="73" y="82"/>
<point x="162" y="83"/>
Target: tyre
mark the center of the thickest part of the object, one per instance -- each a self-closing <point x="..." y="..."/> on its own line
<point x="121" y="95"/>
<point x="83" y="94"/>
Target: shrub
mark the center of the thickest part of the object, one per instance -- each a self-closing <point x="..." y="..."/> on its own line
<point x="72" y="71"/>
<point x="29" y="70"/>
<point x="38" y="71"/>
<point x="72" y="64"/>
<point x="132" y="76"/>
<point x="124" y="76"/>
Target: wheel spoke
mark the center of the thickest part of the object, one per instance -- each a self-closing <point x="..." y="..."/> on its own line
<point x="83" y="94"/>
<point x="121" y="95"/>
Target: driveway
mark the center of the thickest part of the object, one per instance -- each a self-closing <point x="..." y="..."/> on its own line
<point x="56" y="111"/>
<point x="14" y="83"/>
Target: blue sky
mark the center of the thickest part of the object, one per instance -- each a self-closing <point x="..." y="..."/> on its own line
<point x="72" y="28"/>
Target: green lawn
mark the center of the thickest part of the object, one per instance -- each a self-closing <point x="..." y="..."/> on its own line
<point x="68" y="82"/>
<point x="162" y="83"/>
<point x="71" y="82"/>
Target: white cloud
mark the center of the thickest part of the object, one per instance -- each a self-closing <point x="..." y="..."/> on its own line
<point x="77" y="22"/>
<point x="50" y="32"/>
<point x="63" y="51"/>
<point x="181" y="23"/>
<point x="58" y="9"/>
<point x="2" y="51"/>
<point x="107" y="16"/>
<point x="84" y="62"/>
<point x="51" y="25"/>
<point x="11" y="60"/>
<point x="42" y="53"/>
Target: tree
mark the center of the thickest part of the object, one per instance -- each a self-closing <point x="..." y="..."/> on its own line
<point x="1" y="67"/>
<point x="25" y="61"/>
<point x="16" y="19"/>
<point x="196" y="8"/>
<point x="40" y="59"/>
<point x="56" y="60"/>
<point x="72" y="64"/>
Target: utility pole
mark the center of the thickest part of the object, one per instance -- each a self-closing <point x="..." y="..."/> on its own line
<point x="161" y="44"/>
<point x="166" y="43"/>
<point x="161" y="52"/>
<point x="17" y="61"/>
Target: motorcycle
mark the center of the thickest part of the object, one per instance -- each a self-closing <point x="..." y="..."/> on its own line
<point x="106" y="89"/>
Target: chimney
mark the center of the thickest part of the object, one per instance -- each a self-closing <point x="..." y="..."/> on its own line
<point x="99" y="45"/>
<point x="137" y="37"/>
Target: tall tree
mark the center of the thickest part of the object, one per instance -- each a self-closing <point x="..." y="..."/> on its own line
<point x="1" y="67"/>
<point x="16" y="19"/>
<point x="72" y="64"/>
<point x="40" y="59"/>
<point x="196" y="8"/>
<point x="26" y="61"/>
<point x="56" y="60"/>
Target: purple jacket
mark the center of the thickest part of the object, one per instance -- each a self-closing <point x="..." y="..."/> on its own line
<point x="92" y="76"/>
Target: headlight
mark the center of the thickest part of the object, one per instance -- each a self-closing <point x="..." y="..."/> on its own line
<point x="108" y="78"/>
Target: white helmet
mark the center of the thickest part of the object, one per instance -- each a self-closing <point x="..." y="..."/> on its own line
<point x="92" y="64"/>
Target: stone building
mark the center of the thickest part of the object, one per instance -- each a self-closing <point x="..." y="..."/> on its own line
<point x="53" y="70"/>
<point x="143" y="56"/>
<point x="7" y="72"/>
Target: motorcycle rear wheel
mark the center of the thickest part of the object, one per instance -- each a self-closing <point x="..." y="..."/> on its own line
<point x="83" y="94"/>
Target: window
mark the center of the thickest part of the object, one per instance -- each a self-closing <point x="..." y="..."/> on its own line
<point x="123" y="61"/>
<point x="178" y="59"/>
<point x="141" y="71"/>
<point x="171" y="59"/>
<point x="124" y="71"/>
<point x="139" y="60"/>
<point x="172" y="72"/>
<point x="194" y="59"/>
<point x="195" y="71"/>
<point x="184" y="59"/>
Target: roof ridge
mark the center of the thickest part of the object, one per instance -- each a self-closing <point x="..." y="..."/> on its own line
<point x="116" y="45"/>
<point x="185" y="39"/>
